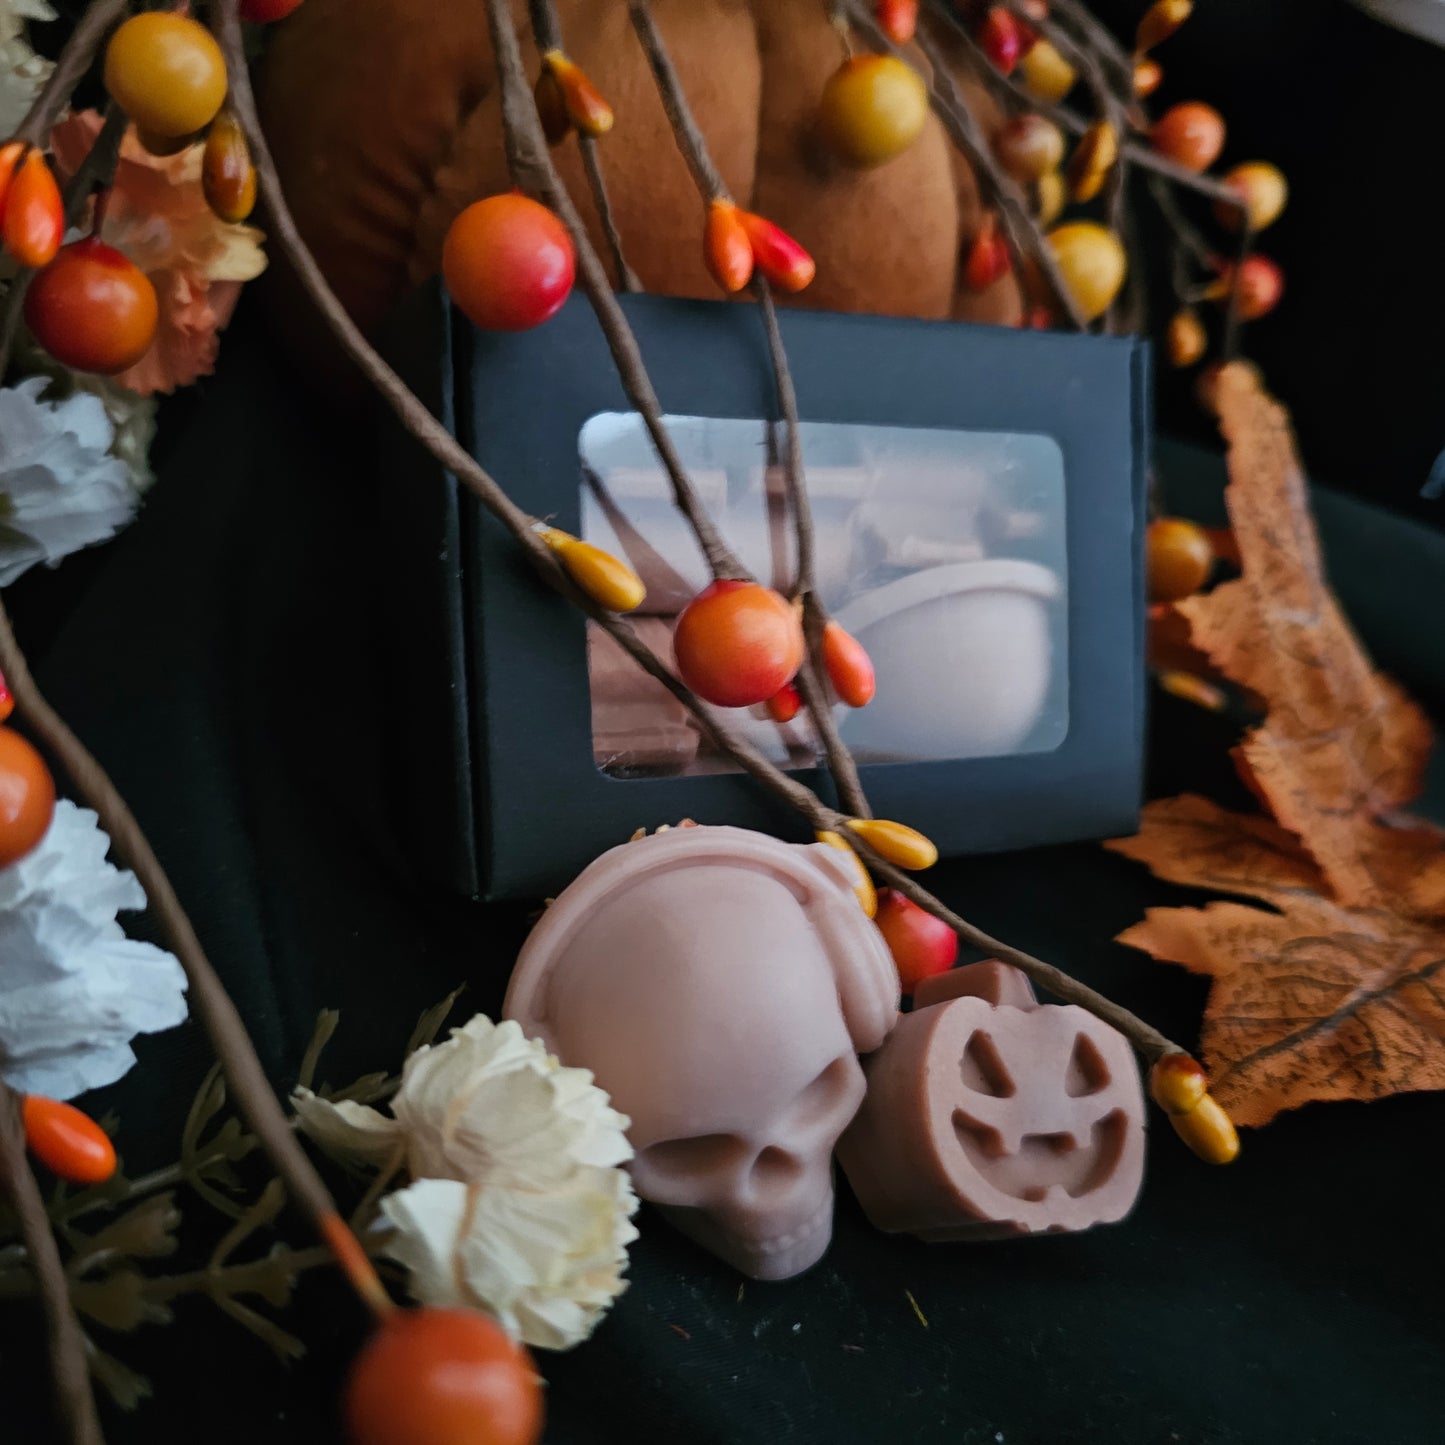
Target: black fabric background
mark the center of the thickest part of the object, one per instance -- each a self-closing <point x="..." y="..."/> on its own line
<point x="219" y="660"/>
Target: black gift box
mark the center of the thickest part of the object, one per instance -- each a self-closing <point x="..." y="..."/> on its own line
<point x="509" y="788"/>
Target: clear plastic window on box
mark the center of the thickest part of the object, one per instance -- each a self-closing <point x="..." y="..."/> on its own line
<point x="942" y="552"/>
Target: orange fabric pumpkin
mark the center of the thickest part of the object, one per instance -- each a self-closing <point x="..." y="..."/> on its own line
<point x="385" y="119"/>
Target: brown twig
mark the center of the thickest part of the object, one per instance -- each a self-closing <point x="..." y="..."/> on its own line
<point x="810" y="681"/>
<point x="75" y="59"/>
<point x="531" y="165"/>
<point x="1232" y="318"/>
<point x="548" y="32"/>
<point x="415" y="417"/>
<point x="208" y="996"/>
<point x="66" y="1339"/>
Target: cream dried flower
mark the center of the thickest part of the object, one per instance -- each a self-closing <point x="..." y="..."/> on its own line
<point x="60" y="489"/>
<point x="518" y="1205"/>
<point x="74" y="990"/>
<point x="22" y="71"/>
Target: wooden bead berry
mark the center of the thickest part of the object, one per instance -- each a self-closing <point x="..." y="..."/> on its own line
<point x="70" y="1144"/>
<point x="738" y="643"/>
<point x="873" y="108"/>
<point x="27" y="797"/>
<point x="166" y="72"/>
<point x="92" y="308"/>
<point x="34" y="221"/>
<point x="508" y="263"/>
<point x="921" y="944"/>
<point x="442" y="1377"/>
<point x="1178" y="559"/>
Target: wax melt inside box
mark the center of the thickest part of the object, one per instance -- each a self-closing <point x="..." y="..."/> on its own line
<point x="978" y="505"/>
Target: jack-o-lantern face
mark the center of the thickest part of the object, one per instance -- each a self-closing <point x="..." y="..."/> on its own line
<point x="986" y="1120"/>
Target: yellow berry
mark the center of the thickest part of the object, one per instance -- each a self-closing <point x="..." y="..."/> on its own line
<point x="903" y="846"/>
<point x="863" y="889"/>
<point x="1177" y="1083"/>
<point x="608" y="582"/>
<point x="1265" y="192"/>
<point x="1049" y="198"/>
<point x="1179" y="558"/>
<point x="873" y="108"/>
<point x="1208" y="1131"/>
<point x="166" y="72"/>
<point x="1187" y="339"/>
<point x="1045" y="73"/>
<point x="1028" y="147"/>
<point x="1091" y="259"/>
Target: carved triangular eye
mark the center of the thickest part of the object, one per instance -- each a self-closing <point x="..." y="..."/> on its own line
<point x="1088" y="1073"/>
<point x="983" y="1068"/>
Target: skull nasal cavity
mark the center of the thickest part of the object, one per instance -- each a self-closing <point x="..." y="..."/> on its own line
<point x="774" y="1169"/>
<point x="983" y="1068"/>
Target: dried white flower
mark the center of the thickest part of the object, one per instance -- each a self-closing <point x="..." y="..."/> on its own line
<point x="22" y="71"/>
<point x="60" y="489"/>
<point x="74" y="990"/>
<point x="518" y="1205"/>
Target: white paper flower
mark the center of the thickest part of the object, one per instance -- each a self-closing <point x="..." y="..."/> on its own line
<point x="22" y="71"/>
<point x="74" y="990"/>
<point x="519" y="1206"/>
<point x="60" y="490"/>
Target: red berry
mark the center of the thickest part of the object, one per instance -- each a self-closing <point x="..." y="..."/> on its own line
<point x="27" y="797"/>
<point x="1001" y="38"/>
<point x="92" y="308"/>
<point x="263" y="12"/>
<point x="988" y="259"/>
<point x="1261" y="284"/>
<point x="508" y="263"/>
<point x="921" y="944"/>
<point x="785" y="704"/>
<point x="70" y="1144"/>
<point x="778" y="256"/>
<point x="442" y="1377"/>
<point x="738" y="643"/>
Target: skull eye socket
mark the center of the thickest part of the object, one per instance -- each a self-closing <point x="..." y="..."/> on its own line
<point x="688" y="1157"/>
<point x="820" y="1100"/>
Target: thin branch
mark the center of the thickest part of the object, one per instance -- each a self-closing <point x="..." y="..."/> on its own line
<point x="208" y="996"/>
<point x="1232" y="318"/>
<point x="530" y="162"/>
<point x="75" y="59"/>
<point x="626" y="276"/>
<point x="547" y="30"/>
<point x="66" y="1339"/>
<point x="414" y="415"/>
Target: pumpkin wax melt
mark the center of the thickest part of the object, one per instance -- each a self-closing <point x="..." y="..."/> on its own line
<point x="989" y="1115"/>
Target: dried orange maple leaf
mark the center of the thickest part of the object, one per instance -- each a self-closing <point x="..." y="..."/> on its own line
<point x="1339" y="990"/>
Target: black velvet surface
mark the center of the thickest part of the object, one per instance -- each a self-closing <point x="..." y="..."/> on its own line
<point x="220" y="660"/>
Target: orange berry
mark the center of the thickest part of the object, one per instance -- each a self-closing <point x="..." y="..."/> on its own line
<point x="1191" y="134"/>
<point x="1186" y="340"/>
<point x="9" y="158"/>
<point x="228" y="178"/>
<point x="1160" y="21"/>
<point x="34" y="222"/>
<point x="988" y="258"/>
<point x="897" y="19"/>
<point x="1260" y="283"/>
<point x="1093" y="158"/>
<point x="166" y="72"/>
<point x="1092" y="262"/>
<point x="1264" y="191"/>
<point x="777" y="255"/>
<point x="27" y="797"/>
<point x="1190" y="687"/>
<point x="92" y="308"/>
<point x="726" y="248"/>
<point x="1178" y="559"/>
<point x="785" y="704"/>
<point x="873" y="108"/>
<point x="850" y="669"/>
<point x="584" y="104"/>
<point x="1148" y="76"/>
<point x="1028" y="147"/>
<point x="508" y="263"/>
<point x="70" y="1144"/>
<point x="442" y="1377"/>
<point x="1177" y="1083"/>
<point x="738" y="643"/>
